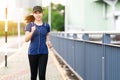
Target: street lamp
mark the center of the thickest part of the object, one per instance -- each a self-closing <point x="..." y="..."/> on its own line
<point x="6" y="29"/>
<point x="49" y="13"/>
<point x="19" y="19"/>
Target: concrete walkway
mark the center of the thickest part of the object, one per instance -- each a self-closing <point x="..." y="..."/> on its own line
<point x="18" y="66"/>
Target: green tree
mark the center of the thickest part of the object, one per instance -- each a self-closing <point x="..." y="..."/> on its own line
<point x="12" y="28"/>
<point x="45" y="14"/>
<point x="57" y="17"/>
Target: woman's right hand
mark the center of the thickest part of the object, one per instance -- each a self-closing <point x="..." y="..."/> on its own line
<point x="29" y="34"/>
<point x="33" y="29"/>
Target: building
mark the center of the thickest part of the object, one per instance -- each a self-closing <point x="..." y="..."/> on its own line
<point x="92" y="15"/>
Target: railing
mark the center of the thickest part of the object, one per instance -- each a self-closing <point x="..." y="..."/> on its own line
<point x="91" y="55"/>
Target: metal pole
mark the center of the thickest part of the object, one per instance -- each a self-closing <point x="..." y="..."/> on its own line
<point x="103" y="68"/>
<point x="49" y="14"/>
<point x="66" y="15"/>
<point x="6" y="29"/>
<point x="19" y="35"/>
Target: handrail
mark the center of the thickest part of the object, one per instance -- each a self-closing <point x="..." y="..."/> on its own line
<point x="92" y="32"/>
<point x="87" y="57"/>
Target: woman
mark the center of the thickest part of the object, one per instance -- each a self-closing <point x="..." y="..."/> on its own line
<point x="37" y="33"/>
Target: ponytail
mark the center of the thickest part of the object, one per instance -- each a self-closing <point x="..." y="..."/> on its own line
<point x="29" y="18"/>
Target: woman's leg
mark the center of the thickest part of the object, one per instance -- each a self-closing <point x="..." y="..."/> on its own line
<point x="43" y="58"/>
<point x="33" y="61"/>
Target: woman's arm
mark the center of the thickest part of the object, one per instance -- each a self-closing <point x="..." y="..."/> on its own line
<point x="28" y="35"/>
<point x="48" y="42"/>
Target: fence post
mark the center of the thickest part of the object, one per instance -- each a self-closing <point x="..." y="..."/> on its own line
<point x="63" y="34"/>
<point x="85" y="36"/>
<point x="68" y="35"/>
<point x="106" y="39"/>
<point x="74" y="35"/>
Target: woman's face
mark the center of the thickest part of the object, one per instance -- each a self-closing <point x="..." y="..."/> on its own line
<point x="38" y="15"/>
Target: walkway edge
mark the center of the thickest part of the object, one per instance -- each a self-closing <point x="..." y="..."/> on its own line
<point x="79" y="77"/>
<point x="62" y="72"/>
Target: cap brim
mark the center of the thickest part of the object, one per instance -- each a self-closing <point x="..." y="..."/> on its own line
<point x="37" y="10"/>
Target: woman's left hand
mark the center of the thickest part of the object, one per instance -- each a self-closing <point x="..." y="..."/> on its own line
<point x="49" y="44"/>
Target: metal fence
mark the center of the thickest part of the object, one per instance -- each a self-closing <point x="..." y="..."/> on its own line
<point x="91" y="60"/>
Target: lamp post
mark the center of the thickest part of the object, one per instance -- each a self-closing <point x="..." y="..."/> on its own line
<point x="66" y="15"/>
<point x="49" y="13"/>
<point x="6" y="30"/>
<point x="18" y="17"/>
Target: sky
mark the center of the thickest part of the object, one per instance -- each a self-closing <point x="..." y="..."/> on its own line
<point x="46" y="2"/>
<point x="12" y="7"/>
<point x="2" y="8"/>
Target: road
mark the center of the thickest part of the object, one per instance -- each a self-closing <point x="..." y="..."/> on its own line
<point x="10" y="47"/>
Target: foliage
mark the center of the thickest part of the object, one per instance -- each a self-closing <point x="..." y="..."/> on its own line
<point x="45" y="14"/>
<point x="57" y="20"/>
<point x="12" y="28"/>
<point x="57" y="17"/>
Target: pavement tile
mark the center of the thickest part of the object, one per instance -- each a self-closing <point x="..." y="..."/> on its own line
<point x="18" y="67"/>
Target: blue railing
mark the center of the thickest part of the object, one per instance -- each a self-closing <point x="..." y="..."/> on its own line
<point x="90" y="57"/>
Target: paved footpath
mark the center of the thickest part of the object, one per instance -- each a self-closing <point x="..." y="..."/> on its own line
<point x="18" y="66"/>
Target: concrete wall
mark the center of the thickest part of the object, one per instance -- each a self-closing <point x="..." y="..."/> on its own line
<point x="75" y="15"/>
<point x="94" y="16"/>
<point x="90" y="15"/>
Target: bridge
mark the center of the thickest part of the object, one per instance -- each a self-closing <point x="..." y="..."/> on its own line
<point x="81" y="55"/>
<point x="90" y="55"/>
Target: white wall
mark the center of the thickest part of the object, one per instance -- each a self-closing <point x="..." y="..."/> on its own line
<point x="75" y="15"/>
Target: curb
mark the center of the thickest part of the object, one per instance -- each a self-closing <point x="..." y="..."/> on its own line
<point x="62" y="72"/>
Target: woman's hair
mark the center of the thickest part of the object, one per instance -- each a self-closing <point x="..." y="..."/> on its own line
<point x="29" y="18"/>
